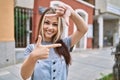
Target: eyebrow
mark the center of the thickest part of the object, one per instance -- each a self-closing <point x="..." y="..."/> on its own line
<point x="51" y="15"/>
<point x="50" y="21"/>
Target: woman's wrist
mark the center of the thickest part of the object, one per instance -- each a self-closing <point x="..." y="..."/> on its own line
<point x="72" y="13"/>
<point x="32" y="57"/>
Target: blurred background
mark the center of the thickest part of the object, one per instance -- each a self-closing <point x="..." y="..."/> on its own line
<point x="19" y="23"/>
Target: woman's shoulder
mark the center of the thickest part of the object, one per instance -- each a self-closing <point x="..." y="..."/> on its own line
<point x="29" y="48"/>
<point x="66" y="39"/>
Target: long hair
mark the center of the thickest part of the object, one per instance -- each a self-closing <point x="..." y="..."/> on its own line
<point x="41" y="23"/>
<point x="63" y="50"/>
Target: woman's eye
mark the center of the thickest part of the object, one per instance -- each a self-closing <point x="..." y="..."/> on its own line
<point x="55" y="24"/>
<point x="46" y="22"/>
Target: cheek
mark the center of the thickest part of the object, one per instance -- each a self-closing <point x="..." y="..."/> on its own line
<point x="56" y="29"/>
<point x="45" y="27"/>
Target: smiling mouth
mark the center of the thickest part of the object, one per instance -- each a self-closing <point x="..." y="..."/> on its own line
<point x="49" y="32"/>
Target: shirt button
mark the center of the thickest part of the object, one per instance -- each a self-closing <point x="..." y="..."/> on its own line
<point x="53" y="77"/>
<point x="54" y="62"/>
<point x="54" y="70"/>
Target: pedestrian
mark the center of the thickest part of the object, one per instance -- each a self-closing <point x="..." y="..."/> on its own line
<point x="49" y="58"/>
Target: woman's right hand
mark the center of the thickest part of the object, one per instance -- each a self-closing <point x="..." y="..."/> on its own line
<point x="42" y="51"/>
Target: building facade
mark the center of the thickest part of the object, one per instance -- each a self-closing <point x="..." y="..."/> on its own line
<point x="106" y="23"/>
<point x="15" y="20"/>
<point x="19" y="22"/>
<point x="7" y="42"/>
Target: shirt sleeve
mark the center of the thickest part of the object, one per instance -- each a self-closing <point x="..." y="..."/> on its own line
<point x="28" y="50"/>
<point x="67" y="41"/>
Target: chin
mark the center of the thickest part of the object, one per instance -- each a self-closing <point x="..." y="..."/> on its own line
<point x="48" y="37"/>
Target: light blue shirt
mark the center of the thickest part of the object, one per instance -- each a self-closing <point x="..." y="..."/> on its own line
<point x="53" y="68"/>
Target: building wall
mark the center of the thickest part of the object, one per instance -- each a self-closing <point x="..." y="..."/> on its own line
<point x="24" y="3"/>
<point x="109" y="11"/>
<point x="110" y="30"/>
<point x="7" y="45"/>
<point x="115" y="2"/>
<point x="107" y="5"/>
<point x="100" y="5"/>
<point x="6" y="20"/>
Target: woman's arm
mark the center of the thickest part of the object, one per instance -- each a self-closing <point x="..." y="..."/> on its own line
<point x="40" y="52"/>
<point x="80" y="25"/>
<point x="66" y="11"/>
<point x="28" y="67"/>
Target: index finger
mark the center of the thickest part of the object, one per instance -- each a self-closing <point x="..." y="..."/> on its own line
<point x="51" y="15"/>
<point x="53" y="45"/>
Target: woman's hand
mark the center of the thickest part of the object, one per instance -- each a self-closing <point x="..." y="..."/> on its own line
<point x="60" y="11"/>
<point x="63" y="10"/>
<point x="42" y="51"/>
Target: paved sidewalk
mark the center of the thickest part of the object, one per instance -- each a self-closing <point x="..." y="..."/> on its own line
<point x="89" y="64"/>
<point x="10" y="73"/>
<point x="86" y="65"/>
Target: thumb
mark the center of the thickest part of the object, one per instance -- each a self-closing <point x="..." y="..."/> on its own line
<point x="39" y="40"/>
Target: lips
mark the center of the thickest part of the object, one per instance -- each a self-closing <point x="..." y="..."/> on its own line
<point x="49" y="32"/>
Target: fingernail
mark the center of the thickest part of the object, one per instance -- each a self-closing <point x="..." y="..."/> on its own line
<point x="60" y="44"/>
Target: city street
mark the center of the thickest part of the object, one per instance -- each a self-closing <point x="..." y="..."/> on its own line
<point x="93" y="24"/>
<point x="89" y="64"/>
<point x="86" y="65"/>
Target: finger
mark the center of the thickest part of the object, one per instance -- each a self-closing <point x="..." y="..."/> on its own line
<point x="51" y="15"/>
<point x="60" y="13"/>
<point x="39" y="40"/>
<point x="53" y="45"/>
<point x="61" y="8"/>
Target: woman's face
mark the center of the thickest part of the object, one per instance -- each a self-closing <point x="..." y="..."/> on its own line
<point x="50" y="27"/>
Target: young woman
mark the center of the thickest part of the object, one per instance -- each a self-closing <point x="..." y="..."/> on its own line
<point x="49" y="58"/>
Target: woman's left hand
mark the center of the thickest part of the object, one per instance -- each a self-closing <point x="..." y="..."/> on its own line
<point x="60" y="11"/>
<point x="63" y="10"/>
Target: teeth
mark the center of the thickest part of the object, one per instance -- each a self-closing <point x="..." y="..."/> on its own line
<point x="49" y="32"/>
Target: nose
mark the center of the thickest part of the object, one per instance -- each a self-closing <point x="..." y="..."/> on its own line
<point x="50" y="26"/>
